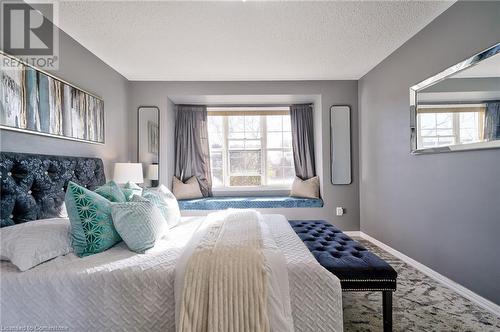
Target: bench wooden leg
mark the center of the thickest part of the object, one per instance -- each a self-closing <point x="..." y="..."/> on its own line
<point x="387" y="310"/>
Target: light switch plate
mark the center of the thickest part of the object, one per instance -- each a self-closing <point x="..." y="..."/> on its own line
<point x="340" y="211"/>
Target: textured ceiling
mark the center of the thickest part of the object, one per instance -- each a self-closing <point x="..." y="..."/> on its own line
<point x="191" y="41"/>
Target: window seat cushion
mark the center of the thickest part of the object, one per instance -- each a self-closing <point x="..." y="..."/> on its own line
<point x="248" y="202"/>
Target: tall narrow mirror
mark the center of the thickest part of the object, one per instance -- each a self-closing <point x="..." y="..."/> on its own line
<point x="340" y="137"/>
<point x="148" y="141"/>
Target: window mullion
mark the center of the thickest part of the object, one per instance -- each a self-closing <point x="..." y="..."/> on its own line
<point x="456" y="127"/>
<point x="419" y="132"/>
<point x="226" y="152"/>
<point x="263" y="149"/>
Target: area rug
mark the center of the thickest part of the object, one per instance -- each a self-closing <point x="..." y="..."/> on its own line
<point x="419" y="304"/>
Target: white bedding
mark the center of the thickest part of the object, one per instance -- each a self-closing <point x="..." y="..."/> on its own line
<point x="121" y="290"/>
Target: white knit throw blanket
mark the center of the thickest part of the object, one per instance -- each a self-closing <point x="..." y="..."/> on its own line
<point x="224" y="285"/>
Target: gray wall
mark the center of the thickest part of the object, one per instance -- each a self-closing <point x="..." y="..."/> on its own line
<point x="444" y="209"/>
<point x="82" y="68"/>
<point x="457" y="90"/>
<point x="330" y="92"/>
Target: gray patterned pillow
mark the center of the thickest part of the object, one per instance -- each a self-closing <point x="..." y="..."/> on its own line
<point x="140" y="224"/>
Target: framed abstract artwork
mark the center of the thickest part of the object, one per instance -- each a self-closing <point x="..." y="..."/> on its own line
<point x="37" y="102"/>
<point x="153" y="137"/>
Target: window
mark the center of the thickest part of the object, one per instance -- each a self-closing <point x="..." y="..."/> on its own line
<point x="250" y="147"/>
<point x="443" y="126"/>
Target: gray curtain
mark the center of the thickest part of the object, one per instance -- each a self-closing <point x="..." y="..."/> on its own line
<point x="192" y="156"/>
<point x="492" y="121"/>
<point x="303" y="140"/>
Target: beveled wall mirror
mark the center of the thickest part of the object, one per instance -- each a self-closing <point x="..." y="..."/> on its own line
<point x="148" y="143"/>
<point x="459" y="108"/>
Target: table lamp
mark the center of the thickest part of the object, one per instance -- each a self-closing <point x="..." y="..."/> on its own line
<point x="152" y="174"/>
<point x="125" y="172"/>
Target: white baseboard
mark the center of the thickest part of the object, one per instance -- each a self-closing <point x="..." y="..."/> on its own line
<point x="352" y="233"/>
<point x="465" y="292"/>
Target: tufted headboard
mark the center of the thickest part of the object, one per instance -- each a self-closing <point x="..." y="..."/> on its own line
<point x="33" y="185"/>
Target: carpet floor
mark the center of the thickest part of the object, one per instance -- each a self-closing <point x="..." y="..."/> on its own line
<point x="419" y="304"/>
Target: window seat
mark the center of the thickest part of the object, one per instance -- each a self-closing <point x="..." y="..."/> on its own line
<point x="248" y="202"/>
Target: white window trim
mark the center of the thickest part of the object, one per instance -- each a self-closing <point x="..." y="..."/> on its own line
<point x="225" y="160"/>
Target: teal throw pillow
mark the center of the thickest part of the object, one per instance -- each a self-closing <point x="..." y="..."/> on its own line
<point x="130" y="189"/>
<point x="112" y="192"/>
<point x="89" y="213"/>
<point x="140" y="224"/>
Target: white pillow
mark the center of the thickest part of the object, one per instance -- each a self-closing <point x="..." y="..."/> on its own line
<point x="305" y="188"/>
<point x="63" y="213"/>
<point x="29" y="244"/>
<point x="188" y="190"/>
<point x="164" y="200"/>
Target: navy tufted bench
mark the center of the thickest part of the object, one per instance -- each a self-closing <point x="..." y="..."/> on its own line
<point x="357" y="268"/>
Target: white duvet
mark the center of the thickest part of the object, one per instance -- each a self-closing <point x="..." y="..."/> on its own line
<point x="121" y="290"/>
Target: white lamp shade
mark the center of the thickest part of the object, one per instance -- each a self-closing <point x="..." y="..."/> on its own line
<point x="152" y="173"/>
<point x="125" y="172"/>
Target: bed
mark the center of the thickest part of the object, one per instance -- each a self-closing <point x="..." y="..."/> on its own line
<point x="119" y="289"/>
